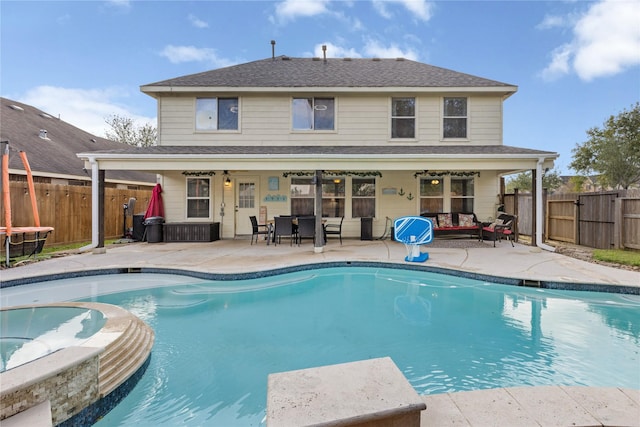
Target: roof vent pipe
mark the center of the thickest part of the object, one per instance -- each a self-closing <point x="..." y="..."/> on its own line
<point x="273" y="49"/>
<point x="324" y="52"/>
<point x="43" y="134"/>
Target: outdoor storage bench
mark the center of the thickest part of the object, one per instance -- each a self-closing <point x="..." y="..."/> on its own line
<point x="191" y="231"/>
<point x="454" y="223"/>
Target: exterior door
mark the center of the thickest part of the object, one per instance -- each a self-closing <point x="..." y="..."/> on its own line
<point x="247" y="203"/>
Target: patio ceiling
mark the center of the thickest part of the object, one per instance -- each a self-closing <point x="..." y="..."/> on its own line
<point x="276" y="158"/>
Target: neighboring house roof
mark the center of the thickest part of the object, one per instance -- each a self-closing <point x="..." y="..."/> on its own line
<point x="55" y="155"/>
<point x="287" y="72"/>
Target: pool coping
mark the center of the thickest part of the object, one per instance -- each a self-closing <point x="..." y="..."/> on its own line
<point x="503" y="280"/>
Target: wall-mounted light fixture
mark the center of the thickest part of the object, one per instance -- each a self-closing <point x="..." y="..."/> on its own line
<point x="227" y="180"/>
<point x="336" y="180"/>
<point x="435" y="181"/>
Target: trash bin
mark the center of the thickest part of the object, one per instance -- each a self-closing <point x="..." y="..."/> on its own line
<point x="154" y="229"/>
<point x="138" y="227"/>
<point x="366" y="228"/>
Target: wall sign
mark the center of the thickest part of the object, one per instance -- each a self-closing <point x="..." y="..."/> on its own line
<point x="274" y="183"/>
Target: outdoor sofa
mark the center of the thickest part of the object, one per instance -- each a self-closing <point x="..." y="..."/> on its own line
<point x="454" y="223"/>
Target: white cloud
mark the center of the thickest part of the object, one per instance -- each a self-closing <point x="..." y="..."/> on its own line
<point x="334" y="51"/>
<point x="198" y="23"/>
<point x="559" y="65"/>
<point x="375" y="49"/>
<point x="420" y="9"/>
<point x="179" y="54"/>
<point x="86" y="109"/>
<point x="120" y="5"/>
<point x="380" y="6"/>
<point x="289" y="10"/>
<point x="606" y="42"/>
<point x="552" y="21"/>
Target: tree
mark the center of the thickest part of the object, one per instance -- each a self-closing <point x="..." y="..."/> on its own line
<point x="576" y="183"/>
<point x="124" y="130"/>
<point x="612" y="151"/>
<point x="523" y="182"/>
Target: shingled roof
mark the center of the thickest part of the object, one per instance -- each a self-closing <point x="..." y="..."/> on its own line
<point x="287" y="72"/>
<point x="55" y="154"/>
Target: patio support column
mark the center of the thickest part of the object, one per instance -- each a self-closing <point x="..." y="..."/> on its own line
<point x="95" y="208"/>
<point x="100" y="201"/>
<point x="319" y="240"/>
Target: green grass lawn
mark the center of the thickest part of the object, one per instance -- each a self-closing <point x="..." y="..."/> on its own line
<point x="617" y="256"/>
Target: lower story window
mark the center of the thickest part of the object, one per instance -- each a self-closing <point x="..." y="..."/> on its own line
<point x="363" y="197"/>
<point x="431" y="195"/>
<point x="303" y="197"/>
<point x="333" y="197"/>
<point x="198" y="197"/>
<point x="462" y="194"/>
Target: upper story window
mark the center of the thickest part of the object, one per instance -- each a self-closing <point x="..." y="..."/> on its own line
<point x="313" y="113"/>
<point x="403" y="118"/>
<point x="217" y="114"/>
<point x="454" y="122"/>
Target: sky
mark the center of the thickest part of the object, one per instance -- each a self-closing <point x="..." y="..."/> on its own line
<point x="575" y="63"/>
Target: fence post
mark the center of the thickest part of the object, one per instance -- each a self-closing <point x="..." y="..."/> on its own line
<point x="618" y="225"/>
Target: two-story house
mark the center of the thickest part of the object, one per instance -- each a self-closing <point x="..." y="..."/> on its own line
<point x="390" y="137"/>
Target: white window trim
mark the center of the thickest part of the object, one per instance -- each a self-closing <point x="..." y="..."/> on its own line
<point x="415" y="120"/>
<point x="187" y="198"/>
<point x="208" y="131"/>
<point x="314" y="131"/>
<point x="442" y="117"/>
<point x="350" y="196"/>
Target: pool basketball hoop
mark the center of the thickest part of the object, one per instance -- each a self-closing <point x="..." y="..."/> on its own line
<point x="413" y="231"/>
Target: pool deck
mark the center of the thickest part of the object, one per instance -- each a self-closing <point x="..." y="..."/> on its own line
<point x="518" y="406"/>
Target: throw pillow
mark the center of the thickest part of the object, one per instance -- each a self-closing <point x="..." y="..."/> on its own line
<point x="434" y="221"/>
<point x="465" y="220"/>
<point x="445" y="220"/>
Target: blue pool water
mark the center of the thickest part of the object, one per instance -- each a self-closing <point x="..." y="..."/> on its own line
<point x="216" y="342"/>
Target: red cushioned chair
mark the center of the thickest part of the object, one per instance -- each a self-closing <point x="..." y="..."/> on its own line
<point x="503" y="227"/>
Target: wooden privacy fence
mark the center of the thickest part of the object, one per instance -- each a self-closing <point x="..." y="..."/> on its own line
<point x="602" y="220"/>
<point x="67" y="208"/>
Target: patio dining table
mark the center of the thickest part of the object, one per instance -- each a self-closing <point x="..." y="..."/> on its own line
<point x="271" y="228"/>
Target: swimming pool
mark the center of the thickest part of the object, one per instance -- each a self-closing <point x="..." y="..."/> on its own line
<point x="217" y="341"/>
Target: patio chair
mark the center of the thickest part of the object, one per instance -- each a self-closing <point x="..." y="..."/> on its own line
<point x="503" y="227"/>
<point x="258" y="229"/>
<point x="284" y="228"/>
<point x="306" y="228"/>
<point x="334" y="230"/>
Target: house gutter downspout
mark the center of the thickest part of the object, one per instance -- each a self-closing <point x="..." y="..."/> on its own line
<point x="539" y="218"/>
<point x="94" y="207"/>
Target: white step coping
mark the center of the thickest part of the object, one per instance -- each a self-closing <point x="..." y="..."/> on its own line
<point x="339" y="395"/>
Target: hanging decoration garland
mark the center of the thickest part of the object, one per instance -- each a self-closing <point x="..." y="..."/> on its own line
<point x="198" y="173"/>
<point x="440" y="174"/>
<point x="334" y="173"/>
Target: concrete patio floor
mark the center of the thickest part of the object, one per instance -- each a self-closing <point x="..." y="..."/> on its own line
<point x="519" y="406"/>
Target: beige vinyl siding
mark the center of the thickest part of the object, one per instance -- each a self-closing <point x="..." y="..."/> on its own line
<point x="360" y="119"/>
<point x="485" y="120"/>
<point x="428" y="121"/>
<point x="174" y="196"/>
